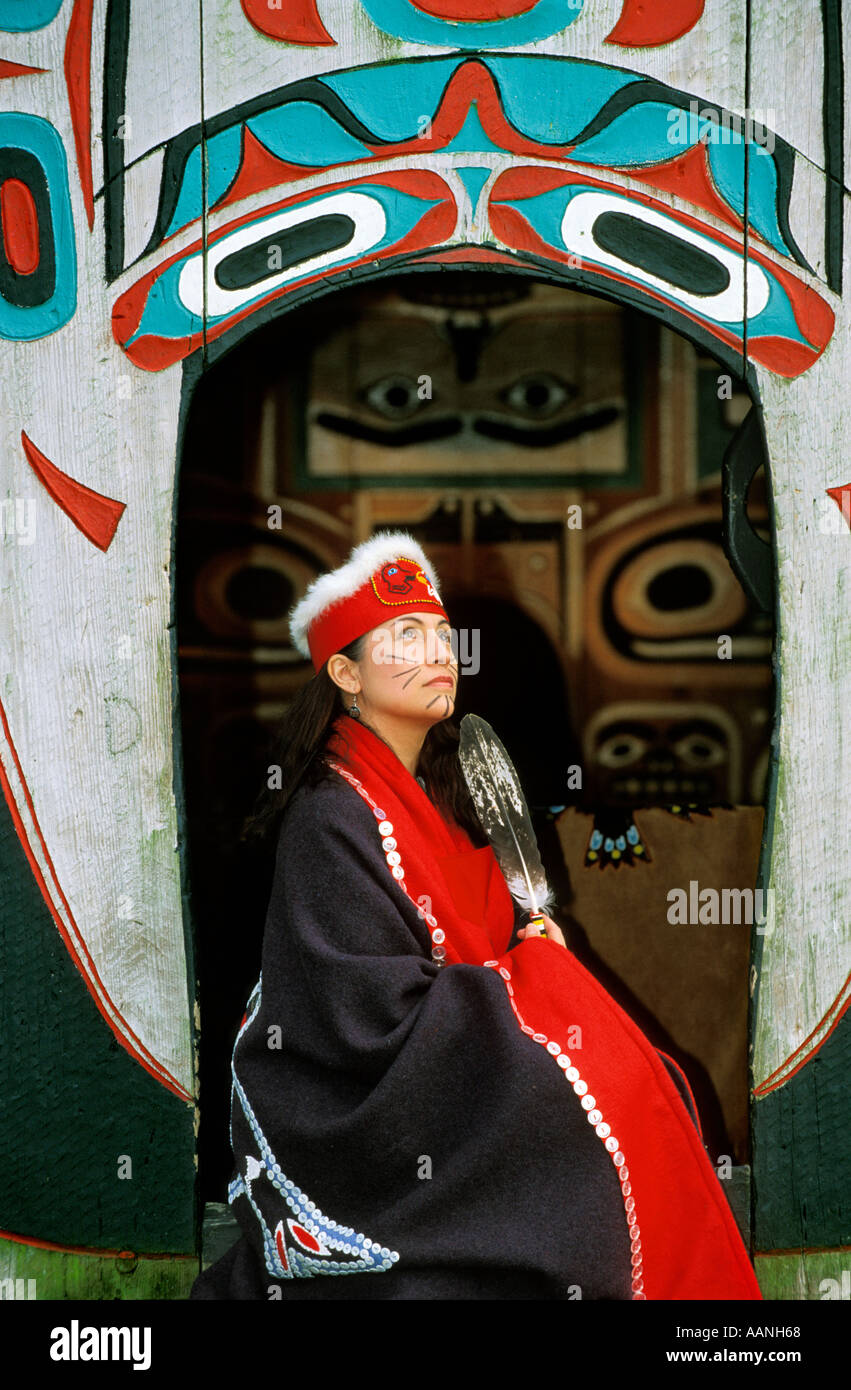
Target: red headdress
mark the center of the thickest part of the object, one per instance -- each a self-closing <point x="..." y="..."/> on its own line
<point x="385" y="576"/>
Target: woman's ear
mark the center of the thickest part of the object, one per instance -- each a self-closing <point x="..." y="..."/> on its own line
<point x="343" y="673"/>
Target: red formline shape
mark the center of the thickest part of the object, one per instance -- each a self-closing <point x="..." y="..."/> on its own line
<point x="10" y="69"/>
<point x="774" y="1080"/>
<point x="19" y="217"/>
<point x="842" y="498"/>
<point x="295" y="21"/>
<point x="78" y="79"/>
<point x="92" y="513"/>
<point x="90" y="1250"/>
<point x="651" y="23"/>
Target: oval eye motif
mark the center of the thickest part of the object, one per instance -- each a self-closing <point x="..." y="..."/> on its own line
<point x="314" y="231"/>
<point x="664" y="254"/>
<point x="537" y="395"/>
<point x="621" y="750"/>
<point x="393" y="397"/>
<point x="254" y="263"/>
<point x="699" y="750"/>
<point x="659" y="252"/>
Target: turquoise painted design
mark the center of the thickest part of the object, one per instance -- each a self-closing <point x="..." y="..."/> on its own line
<point x="37" y="137"/>
<point x="548" y="100"/>
<point x="545" y="213"/>
<point x="401" y="20"/>
<point x="552" y="100"/>
<point x="474" y="179"/>
<point x="302" y="133"/>
<point x="727" y="165"/>
<point x="654" y="133"/>
<point x="22" y="16"/>
<point x="471" y="138"/>
<point x="223" y="156"/>
<point x="167" y="313"/>
<point x="389" y="98"/>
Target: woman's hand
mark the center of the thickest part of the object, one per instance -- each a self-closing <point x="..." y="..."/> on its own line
<point x="554" y="932"/>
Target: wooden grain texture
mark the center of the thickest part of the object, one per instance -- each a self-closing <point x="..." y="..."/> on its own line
<point x="806" y="959"/>
<point x="58" y="1275"/>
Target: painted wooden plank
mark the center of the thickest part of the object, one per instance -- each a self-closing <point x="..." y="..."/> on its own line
<point x="806" y="957"/>
<point x="787" y="74"/>
<point x="84" y="637"/>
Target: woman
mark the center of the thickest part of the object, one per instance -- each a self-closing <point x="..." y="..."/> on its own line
<point x="419" y="1109"/>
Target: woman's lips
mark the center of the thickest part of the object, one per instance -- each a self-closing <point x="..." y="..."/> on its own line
<point x="441" y="680"/>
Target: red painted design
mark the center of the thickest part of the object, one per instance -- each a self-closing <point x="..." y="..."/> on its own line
<point x="78" y="79"/>
<point x="280" y="1245"/>
<point x="814" y="316"/>
<point x="9" y="69"/>
<point x="93" y="1250"/>
<point x="463" y="255"/>
<point x="688" y="177"/>
<point x="296" y="21"/>
<point x="477" y="10"/>
<point x="95" y="515"/>
<point x="842" y="498"/>
<point x="19" y="220"/>
<point x="305" y="1238"/>
<point x="71" y="935"/>
<point x="818" y="1036"/>
<point x="649" y="23"/>
<point x="259" y="170"/>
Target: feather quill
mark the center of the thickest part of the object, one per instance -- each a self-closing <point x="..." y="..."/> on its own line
<point x="502" y="810"/>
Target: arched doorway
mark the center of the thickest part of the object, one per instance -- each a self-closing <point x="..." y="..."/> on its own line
<point x="560" y="457"/>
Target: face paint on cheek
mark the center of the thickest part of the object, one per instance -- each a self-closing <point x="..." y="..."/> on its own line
<point x="448" y="700"/>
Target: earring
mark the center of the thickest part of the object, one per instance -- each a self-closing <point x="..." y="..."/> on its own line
<point x="353" y="708"/>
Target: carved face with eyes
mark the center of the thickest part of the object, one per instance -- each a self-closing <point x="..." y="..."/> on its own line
<point x="407" y="676"/>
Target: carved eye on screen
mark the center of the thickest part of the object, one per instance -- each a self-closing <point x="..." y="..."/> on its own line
<point x="538" y="395"/>
<point x="394" y="397"/>
<point x="622" y="750"/>
<point x="700" y="750"/>
<point x="678" y="589"/>
<point x="262" y="256"/>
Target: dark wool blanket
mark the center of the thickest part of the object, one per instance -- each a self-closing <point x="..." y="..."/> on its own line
<point x="399" y="1131"/>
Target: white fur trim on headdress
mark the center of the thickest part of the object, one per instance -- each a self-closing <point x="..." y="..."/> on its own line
<point x="339" y="584"/>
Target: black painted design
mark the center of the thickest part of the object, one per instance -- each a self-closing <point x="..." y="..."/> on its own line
<point x="659" y="253"/>
<point x="834" y="159"/>
<point x="72" y="1100"/>
<point x="800" y="1155"/>
<point x="116" y="44"/>
<point x="749" y="555"/>
<point x="251" y="265"/>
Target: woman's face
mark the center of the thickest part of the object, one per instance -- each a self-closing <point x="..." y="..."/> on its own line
<point x="409" y="669"/>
